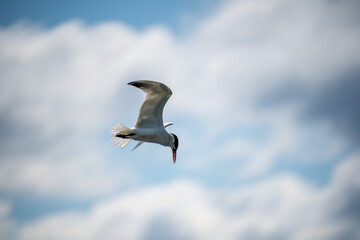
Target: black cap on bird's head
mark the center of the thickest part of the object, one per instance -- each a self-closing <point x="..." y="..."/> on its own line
<point x="174" y="147"/>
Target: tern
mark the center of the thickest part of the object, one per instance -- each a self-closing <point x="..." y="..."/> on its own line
<point x="149" y="126"/>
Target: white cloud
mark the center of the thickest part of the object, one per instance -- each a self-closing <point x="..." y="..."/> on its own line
<point x="61" y="92"/>
<point x="78" y="177"/>
<point x="62" y="88"/>
<point x="280" y="208"/>
<point x="7" y="227"/>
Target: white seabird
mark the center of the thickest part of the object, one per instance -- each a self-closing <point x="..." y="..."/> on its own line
<point x="149" y="126"/>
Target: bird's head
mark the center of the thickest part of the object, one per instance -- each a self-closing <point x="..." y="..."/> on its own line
<point x="174" y="145"/>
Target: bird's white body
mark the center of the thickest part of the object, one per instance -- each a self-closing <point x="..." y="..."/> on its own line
<point x="149" y="126"/>
<point x="155" y="135"/>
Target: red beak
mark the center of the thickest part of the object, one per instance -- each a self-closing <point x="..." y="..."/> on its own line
<point x="174" y="155"/>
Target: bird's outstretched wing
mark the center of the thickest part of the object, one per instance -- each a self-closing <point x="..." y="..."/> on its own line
<point x="157" y="94"/>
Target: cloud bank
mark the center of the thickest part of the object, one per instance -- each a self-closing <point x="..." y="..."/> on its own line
<point x="281" y="208"/>
<point x="263" y="104"/>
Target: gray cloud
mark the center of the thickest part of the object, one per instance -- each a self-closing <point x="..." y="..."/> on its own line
<point x="338" y="102"/>
<point x="163" y="228"/>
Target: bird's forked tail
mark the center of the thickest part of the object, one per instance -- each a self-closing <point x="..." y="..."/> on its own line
<point x="120" y="135"/>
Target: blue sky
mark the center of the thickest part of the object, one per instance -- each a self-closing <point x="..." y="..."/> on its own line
<point x="264" y="104"/>
<point x="138" y="14"/>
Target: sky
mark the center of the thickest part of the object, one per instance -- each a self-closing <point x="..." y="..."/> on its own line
<point x="265" y="104"/>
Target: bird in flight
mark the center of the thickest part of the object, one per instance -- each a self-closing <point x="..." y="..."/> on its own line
<point x="149" y="126"/>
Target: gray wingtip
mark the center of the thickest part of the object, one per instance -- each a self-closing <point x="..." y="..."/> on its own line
<point x="135" y="83"/>
<point x="137" y="145"/>
<point x="141" y="83"/>
<point x="149" y="84"/>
